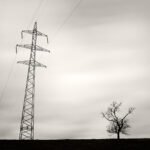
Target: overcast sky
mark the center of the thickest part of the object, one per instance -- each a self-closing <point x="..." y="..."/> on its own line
<point x="99" y="53"/>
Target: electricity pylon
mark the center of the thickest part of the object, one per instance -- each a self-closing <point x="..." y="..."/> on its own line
<point x="27" y="119"/>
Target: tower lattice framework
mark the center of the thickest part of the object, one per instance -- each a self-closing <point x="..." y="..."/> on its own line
<point x="27" y="119"/>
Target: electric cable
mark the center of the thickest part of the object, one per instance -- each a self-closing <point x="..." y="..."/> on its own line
<point x="7" y="79"/>
<point x="67" y="18"/>
<point x="35" y="13"/>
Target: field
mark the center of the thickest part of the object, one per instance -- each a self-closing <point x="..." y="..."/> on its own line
<point x="102" y="144"/>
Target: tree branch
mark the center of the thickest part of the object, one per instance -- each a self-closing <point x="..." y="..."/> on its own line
<point x="129" y="112"/>
<point x="104" y="115"/>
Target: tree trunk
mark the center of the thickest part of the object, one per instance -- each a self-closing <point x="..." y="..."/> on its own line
<point x="118" y="135"/>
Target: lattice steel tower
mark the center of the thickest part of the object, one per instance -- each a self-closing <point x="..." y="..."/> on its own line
<point x="27" y="119"/>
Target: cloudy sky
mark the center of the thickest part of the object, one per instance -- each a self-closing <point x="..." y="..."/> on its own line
<point x="99" y="54"/>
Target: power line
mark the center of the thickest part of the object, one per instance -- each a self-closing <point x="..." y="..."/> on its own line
<point x="8" y="77"/>
<point x="67" y="18"/>
<point x="35" y="14"/>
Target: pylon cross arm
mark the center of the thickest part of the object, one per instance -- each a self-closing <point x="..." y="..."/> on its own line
<point x="31" y="32"/>
<point x="26" y="31"/>
<point x="38" y="48"/>
<point x="29" y="46"/>
<point x="42" y="34"/>
<point x="27" y="62"/>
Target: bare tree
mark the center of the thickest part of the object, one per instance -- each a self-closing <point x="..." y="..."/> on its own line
<point x="117" y="124"/>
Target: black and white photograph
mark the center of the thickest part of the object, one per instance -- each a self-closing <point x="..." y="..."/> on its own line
<point x="74" y="74"/>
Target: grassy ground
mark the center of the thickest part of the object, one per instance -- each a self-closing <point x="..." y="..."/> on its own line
<point x="123" y="144"/>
